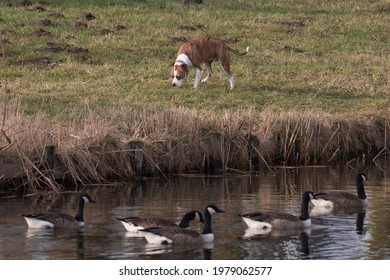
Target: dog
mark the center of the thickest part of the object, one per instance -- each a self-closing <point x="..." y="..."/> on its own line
<point x="202" y="51"/>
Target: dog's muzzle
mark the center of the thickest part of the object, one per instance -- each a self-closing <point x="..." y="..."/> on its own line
<point x="176" y="82"/>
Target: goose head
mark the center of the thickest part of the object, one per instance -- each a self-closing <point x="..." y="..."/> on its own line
<point x="212" y="209"/>
<point x="87" y="199"/>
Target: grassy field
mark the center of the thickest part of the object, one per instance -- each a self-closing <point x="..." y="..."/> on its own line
<point x="327" y="55"/>
<point x="82" y="74"/>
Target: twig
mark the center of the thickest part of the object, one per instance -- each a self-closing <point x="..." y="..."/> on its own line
<point x="5" y="80"/>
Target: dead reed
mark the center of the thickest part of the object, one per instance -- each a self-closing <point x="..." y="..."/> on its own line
<point x="98" y="150"/>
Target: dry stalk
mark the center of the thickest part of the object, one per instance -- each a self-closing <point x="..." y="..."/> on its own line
<point x="97" y="151"/>
<point x="5" y="89"/>
<point x="5" y="80"/>
<point x="36" y="177"/>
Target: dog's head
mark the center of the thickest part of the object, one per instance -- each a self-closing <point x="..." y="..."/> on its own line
<point x="179" y="71"/>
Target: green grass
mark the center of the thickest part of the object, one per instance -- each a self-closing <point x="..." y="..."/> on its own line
<point x="330" y="56"/>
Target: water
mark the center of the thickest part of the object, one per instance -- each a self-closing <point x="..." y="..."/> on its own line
<point x="333" y="236"/>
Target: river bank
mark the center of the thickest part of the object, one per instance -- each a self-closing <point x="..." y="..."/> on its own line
<point x="152" y="141"/>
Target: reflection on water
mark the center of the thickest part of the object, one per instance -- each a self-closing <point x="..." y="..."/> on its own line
<point x="334" y="234"/>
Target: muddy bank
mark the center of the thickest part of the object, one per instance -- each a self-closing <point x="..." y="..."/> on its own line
<point x="137" y="142"/>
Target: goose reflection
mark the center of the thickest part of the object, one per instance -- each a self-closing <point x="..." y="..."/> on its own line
<point x="39" y="232"/>
<point x="252" y="232"/>
<point x="281" y="235"/>
<point x="360" y="223"/>
<point x="325" y="211"/>
<point x="52" y="241"/>
<point x="177" y="251"/>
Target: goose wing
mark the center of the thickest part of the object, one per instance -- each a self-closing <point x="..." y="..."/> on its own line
<point x="271" y="220"/>
<point x="148" y="222"/>
<point x="332" y="195"/>
<point x="57" y="220"/>
<point x="269" y="216"/>
<point x="176" y="235"/>
<point x="340" y="198"/>
<point x="343" y="195"/>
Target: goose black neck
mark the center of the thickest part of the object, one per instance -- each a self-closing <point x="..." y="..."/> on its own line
<point x="185" y="221"/>
<point x="80" y="210"/>
<point x="305" y="207"/>
<point x="360" y="187"/>
<point x="207" y="222"/>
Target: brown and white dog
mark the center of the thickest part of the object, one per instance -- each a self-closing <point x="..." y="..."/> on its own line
<point x="198" y="51"/>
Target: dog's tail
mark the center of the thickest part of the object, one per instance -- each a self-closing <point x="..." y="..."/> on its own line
<point x="236" y="52"/>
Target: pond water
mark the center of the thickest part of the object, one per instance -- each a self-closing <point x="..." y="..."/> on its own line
<point x="364" y="235"/>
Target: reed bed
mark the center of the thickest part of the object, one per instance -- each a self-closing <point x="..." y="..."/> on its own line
<point x="97" y="150"/>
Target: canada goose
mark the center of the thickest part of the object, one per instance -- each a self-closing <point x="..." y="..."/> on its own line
<point x="177" y="235"/>
<point x="342" y="199"/>
<point x="135" y="224"/>
<point x="59" y="220"/>
<point x="264" y="220"/>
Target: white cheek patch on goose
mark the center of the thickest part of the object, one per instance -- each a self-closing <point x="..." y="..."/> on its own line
<point x="211" y="210"/>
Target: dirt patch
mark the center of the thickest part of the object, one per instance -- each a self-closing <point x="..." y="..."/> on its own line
<point x="293" y="24"/>
<point x="38" y="9"/>
<point x="26" y="3"/>
<point x="106" y="31"/>
<point x="188" y="2"/>
<point x="56" y="15"/>
<point x="44" y="60"/>
<point x="80" y="25"/>
<point x="79" y="53"/>
<point x="48" y="22"/>
<point x="7" y="31"/>
<point x="41" y="33"/>
<point x="290" y="49"/>
<point x="87" y="16"/>
<point x="120" y="27"/>
<point x="58" y="47"/>
<point x="4" y="42"/>
<point x="190" y="27"/>
<point x="385" y="10"/>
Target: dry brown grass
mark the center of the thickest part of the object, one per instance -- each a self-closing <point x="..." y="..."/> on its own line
<point x="98" y="150"/>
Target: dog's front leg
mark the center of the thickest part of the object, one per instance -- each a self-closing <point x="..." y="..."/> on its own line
<point x="198" y="74"/>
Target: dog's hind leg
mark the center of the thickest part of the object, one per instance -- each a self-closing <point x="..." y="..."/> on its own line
<point x="209" y="72"/>
<point x="226" y="69"/>
<point x="231" y="80"/>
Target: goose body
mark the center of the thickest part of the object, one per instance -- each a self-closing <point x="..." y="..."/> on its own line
<point x="135" y="224"/>
<point x="183" y="236"/>
<point x="59" y="220"/>
<point x="342" y="199"/>
<point x="269" y="220"/>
